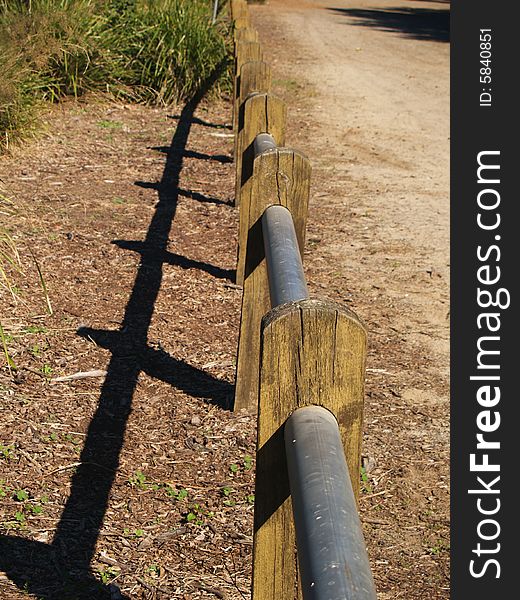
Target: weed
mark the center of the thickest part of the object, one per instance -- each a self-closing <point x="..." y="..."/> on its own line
<point x="4" y="490"/>
<point x="136" y="533"/>
<point x="110" y="124"/>
<point x="35" y="350"/>
<point x="171" y="492"/>
<point x="46" y="370"/>
<point x="34" y="329"/>
<point x="20" y="495"/>
<point x="108" y="574"/>
<point x="147" y="50"/>
<point x="6" y="451"/>
<point x="197" y="515"/>
<point x="247" y="465"/>
<point x="366" y="487"/>
<point x="42" y="283"/>
<point x="9" y="259"/>
<point x="439" y="547"/>
<point x="138" y="480"/>
<point x="152" y="570"/>
<point x="226" y="492"/>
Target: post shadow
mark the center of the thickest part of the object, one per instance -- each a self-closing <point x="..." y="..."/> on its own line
<point x="221" y="158"/>
<point x="61" y="570"/>
<point x="197" y="121"/>
<point x="177" y="260"/>
<point x="149" y="185"/>
<point x="416" y="23"/>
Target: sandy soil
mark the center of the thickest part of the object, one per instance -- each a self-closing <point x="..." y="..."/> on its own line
<point x="127" y="211"/>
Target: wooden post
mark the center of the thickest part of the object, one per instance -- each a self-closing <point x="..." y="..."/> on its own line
<point x="262" y="113"/>
<point x="238" y="9"/>
<point x="245" y="34"/>
<point x="280" y="176"/>
<point x="313" y="352"/>
<point x="244" y="52"/>
<point x="259" y="113"/>
<point x="255" y="76"/>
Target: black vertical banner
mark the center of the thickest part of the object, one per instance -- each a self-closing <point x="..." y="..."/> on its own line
<point x="485" y="247"/>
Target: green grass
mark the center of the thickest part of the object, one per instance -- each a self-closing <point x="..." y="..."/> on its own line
<point x="155" y="51"/>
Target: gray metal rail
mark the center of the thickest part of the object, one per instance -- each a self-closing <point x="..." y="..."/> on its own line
<point x="263" y="142"/>
<point x="284" y="263"/>
<point x="332" y="556"/>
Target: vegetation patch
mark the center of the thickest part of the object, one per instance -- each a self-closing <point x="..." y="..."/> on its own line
<point x="153" y="51"/>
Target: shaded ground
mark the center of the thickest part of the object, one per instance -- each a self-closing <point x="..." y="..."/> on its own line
<point x="126" y="211"/>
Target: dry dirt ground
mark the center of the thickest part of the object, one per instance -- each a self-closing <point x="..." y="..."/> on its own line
<point x="137" y="482"/>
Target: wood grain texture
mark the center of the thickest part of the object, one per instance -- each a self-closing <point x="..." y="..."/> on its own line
<point x="245" y="34"/>
<point x="280" y="176"/>
<point x="255" y="77"/>
<point x="313" y="352"/>
<point x="244" y="52"/>
<point x="238" y="9"/>
<point x="261" y="113"/>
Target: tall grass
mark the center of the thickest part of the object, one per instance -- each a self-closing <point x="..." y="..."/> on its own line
<point x="144" y="50"/>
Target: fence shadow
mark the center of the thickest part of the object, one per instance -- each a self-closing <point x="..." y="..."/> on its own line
<point x="61" y="570"/>
<point x="415" y="23"/>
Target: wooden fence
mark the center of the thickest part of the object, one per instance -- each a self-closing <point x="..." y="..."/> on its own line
<point x="293" y="353"/>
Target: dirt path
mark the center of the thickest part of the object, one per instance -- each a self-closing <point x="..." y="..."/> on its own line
<point x="367" y="85"/>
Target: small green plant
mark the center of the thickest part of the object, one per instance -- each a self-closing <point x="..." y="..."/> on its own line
<point x="179" y="495"/>
<point x="35" y="350"/>
<point x="233" y="467"/>
<point x="4" y="490"/>
<point x="110" y="124"/>
<point x="20" y="495"/>
<point x="132" y="534"/>
<point x="152" y="570"/>
<point x="46" y="370"/>
<point x="197" y="515"/>
<point x="366" y="487"/>
<point x="6" y="451"/>
<point x="34" y="329"/>
<point x="226" y="492"/>
<point x="248" y="462"/>
<point x="107" y="574"/>
<point x="138" y="480"/>
<point x="438" y="547"/>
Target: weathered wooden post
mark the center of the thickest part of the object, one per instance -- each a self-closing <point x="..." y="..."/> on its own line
<point x="280" y="176"/>
<point x="255" y="76"/>
<point x="312" y="353"/>
<point x="238" y="9"/>
<point x="245" y="34"/>
<point x="262" y="113"/>
<point x="244" y="52"/>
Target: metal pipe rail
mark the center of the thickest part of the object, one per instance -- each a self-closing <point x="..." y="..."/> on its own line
<point x="284" y="264"/>
<point x="263" y="142"/>
<point x="332" y="556"/>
